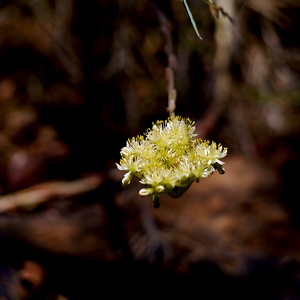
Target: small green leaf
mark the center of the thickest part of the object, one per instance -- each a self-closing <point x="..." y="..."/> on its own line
<point x="191" y="18"/>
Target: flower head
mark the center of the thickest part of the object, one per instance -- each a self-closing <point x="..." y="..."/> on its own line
<point x="168" y="160"/>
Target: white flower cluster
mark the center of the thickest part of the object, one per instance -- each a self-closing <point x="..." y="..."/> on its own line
<point x="167" y="158"/>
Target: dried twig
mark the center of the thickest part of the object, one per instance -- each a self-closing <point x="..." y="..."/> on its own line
<point x="216" y="10"/>
<point x="31" y="197"/>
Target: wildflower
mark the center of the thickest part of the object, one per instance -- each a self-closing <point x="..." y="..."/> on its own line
<point x="168" y="160"/>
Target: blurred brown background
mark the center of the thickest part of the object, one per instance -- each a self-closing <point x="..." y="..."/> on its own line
<point x="77" y="79"/>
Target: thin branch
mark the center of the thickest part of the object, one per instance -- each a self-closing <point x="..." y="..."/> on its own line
<point x="171" y="91"/>
<point x="31" y="197"/>
<point x="170" y="70"/>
